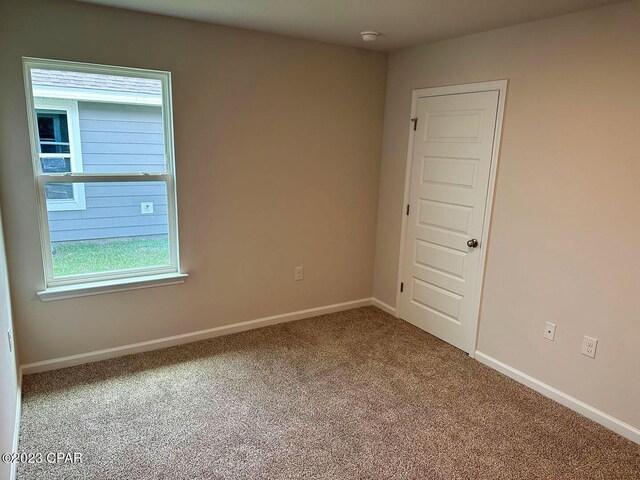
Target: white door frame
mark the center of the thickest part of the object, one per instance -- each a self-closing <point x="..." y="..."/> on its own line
<point x="501" y="87"/>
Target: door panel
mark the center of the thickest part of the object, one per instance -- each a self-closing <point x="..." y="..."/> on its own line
<point x="444" y="259"/>
<point x="458" y="172"/>
<point x="450" y="170"/>
<point x="444" y="215"/>
<point x="457" y="126"/>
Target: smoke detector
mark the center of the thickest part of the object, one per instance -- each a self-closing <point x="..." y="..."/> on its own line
<point x="369" y="36"/>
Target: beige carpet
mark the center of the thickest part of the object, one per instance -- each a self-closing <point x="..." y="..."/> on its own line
<point x="357" y="394"/>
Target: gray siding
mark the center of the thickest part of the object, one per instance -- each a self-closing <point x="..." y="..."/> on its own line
<point x="121" y="138"/>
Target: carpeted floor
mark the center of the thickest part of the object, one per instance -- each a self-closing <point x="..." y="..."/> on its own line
<point x="356" y="394"/>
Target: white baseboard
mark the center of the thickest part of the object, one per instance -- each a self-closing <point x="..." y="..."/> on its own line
<point x="165" y="342"/>
<point x="574" y="404"/>
<point x="16" y="429"/>
<point x="383" y="306"/>
<point x="562" y="398"/>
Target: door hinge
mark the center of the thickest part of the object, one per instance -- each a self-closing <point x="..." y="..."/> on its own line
<point x="10" y="340"/>
<point x="408" y="208"/>
<point x="415" y="123"/>
<point x="401" y="287"/>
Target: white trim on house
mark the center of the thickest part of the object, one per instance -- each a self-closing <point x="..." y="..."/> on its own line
<point x="40" y="179"/>
<point x="101" y="96"/>
<point x="105" y="177"/>
<point x="496" y="85"/>
<point x="592" y="413"/>
<point x="70" y="107"/>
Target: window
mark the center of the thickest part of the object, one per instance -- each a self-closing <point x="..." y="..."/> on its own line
<point x="102" y="142"/>
<point x="60" y="151"/>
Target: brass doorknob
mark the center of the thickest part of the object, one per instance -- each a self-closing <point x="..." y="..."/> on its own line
<point x="473" y="243"/>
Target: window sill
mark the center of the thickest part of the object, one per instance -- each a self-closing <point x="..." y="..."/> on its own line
<point x="98" y="288"/>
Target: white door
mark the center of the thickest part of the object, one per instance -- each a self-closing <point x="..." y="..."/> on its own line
<point x="449" y="180"/>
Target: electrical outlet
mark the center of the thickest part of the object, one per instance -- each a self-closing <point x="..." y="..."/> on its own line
<point x="589" y="346"/>
<point x="549" y="331"/>
<point x="146" y="207"/>
<point x="298" y="274"/>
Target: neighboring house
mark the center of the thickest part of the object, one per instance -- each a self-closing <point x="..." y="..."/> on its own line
<point x="95" y="123"/>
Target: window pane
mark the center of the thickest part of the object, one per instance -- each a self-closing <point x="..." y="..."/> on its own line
<point x="120" y="119"/>
<point x="124" y="226"/>
<point x="59" y="191"/>
<point x="49" y="147"/>
<point x="55" y="164"/>
<point x="46" y="129"/>
<point x="52" y="126"/>
<point x="122" y="138"/>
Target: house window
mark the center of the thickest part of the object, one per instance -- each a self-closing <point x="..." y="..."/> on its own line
<point x="60" y="151"/>
<point x="102" y="142"/>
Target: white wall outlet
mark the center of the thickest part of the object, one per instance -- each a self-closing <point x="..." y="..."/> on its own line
<point x="549" y="331"/>
<point x="589" y="346"/>
<point x="146" y="207"/>
<point x="298" y="274"/>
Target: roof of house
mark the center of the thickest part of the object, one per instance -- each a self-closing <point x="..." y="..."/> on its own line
<point x="93" y="81"/>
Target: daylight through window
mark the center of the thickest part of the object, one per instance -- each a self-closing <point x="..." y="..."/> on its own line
<point x="102" y="143"/>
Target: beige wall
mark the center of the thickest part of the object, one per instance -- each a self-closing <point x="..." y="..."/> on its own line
<point x="566" y="226"/>
<point x="277" y="151"/>
<point x="8" y="368"/>
<point x="278" y="145"/>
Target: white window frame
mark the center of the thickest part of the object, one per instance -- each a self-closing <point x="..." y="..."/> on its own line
<point x="89" y="95"/>
<point x="90" y="284"/>
<point x="70" y="107"/>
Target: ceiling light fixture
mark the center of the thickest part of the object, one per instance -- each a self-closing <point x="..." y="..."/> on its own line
<point x="369" y="36"/>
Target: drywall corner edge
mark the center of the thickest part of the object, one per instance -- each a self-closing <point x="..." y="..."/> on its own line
<point x="384" y="306"/>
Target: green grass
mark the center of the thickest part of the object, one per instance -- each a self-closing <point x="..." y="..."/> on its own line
<point x="72" y="258"/>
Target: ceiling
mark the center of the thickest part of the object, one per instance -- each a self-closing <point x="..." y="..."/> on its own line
<point x="402" y="22"/>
